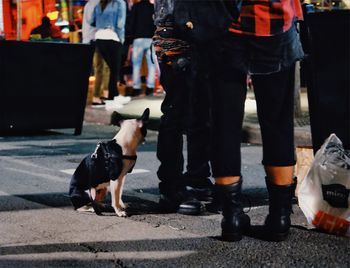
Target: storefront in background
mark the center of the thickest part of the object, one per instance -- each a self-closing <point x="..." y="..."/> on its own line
<point x="64" y="14"/>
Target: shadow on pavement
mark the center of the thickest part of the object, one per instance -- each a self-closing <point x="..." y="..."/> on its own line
<point x="179" y="252"/>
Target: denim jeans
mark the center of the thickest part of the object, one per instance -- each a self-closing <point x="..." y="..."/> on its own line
<point x="142" y="46"/>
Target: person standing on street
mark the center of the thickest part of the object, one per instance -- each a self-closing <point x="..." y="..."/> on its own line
<point x="101" y="69"/>
<point x="185" y="110"/>
<point x="109" y="19"/>
<point x="46" y="30"/>
<point x="141" y="30"/>
<point x="262" y="41"/>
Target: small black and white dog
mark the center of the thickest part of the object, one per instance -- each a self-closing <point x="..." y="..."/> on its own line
<point x="108" y="166"/>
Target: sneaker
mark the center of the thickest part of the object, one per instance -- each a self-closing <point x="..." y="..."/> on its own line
<point x="112" y="105"/>
<point x="201" y="188"/>
<point x="182" y="202"/>
<point x="98" y="104"/>
<point x="121" y="99"/>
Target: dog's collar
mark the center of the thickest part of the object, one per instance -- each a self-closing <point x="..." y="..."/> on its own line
<point x="129" y="157"/>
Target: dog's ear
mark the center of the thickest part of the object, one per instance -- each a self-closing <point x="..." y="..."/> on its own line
<point x="116" y="119"/>
<point x="145" y="116"/>
<point x="143" y="121"/>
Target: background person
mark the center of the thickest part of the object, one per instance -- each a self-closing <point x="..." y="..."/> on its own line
<point x="101" y="69"/>
<point x="45" y="30"/>
<point x="141" y="30"/>
<point x="109" y="19"/>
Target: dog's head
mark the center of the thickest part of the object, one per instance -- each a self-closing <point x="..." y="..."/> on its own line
<point x="132" y="131"/>
<point x="108" y="159"/>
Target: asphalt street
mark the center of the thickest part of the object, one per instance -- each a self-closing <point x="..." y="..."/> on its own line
<point x="39" y="228"/>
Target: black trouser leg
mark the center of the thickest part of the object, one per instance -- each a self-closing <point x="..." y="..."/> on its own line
<point x="275" y="107"/>
<point x="111" y="52"/>
<point x="172" y="125"/>
<point x="198" y="130"/>
<point x="228" y="98"/>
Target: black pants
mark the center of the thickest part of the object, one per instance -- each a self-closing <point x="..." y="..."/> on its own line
<point x="185" y="111"/>
<point x="274" y="97"/>
<point x="111" y="53"/>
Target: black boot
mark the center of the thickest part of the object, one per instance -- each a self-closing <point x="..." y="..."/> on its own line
<point x="201" y="188"/>
<point x="277" y="223"/>
<point x="234" y="222"/>
<point x="176" y="199"/>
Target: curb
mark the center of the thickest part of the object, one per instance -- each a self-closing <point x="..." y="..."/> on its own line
<point x="250" y="131"/>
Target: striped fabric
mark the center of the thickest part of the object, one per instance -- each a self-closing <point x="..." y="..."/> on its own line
<point x="168" y="49"/>
<point x="267" y="17"/>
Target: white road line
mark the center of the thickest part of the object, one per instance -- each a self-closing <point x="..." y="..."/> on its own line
<point x="68" y="171"/>
<point x="40" y="175"/>
<point x="139" y="170"/>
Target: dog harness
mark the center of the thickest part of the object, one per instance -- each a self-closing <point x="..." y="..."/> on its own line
<point x="112" y="154"/>
<point x="109" y="157"/>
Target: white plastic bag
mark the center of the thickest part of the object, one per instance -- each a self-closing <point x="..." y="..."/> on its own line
<point x="324" y="193"/>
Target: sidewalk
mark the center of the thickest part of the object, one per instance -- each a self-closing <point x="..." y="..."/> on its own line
<point x="251" y="129"/>
<point x="39" y="227"/>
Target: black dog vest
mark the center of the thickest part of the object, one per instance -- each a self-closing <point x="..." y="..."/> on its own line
<point x="103" y="165"/>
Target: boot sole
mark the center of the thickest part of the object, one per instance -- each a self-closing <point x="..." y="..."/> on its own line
<point x="166" y="208"/>
<point x="230" y="237"/>
<point x="278" y="237"/>
<point x="191" y="210"/>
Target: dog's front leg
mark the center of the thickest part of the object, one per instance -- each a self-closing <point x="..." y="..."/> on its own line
<point x="116" y="192"/>
<point x="93" y="194"/>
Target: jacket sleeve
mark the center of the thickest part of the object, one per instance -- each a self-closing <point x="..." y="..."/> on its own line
<point x="91" y="18"/>
<point x="121" y="20"/>
<point x="131" y="22"/>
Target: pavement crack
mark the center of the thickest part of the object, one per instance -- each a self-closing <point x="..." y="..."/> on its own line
<point x="91" y="248"/>
<point x="117" y="262"/>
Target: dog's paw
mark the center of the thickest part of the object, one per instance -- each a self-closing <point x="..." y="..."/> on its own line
<point x="86" y="208"/>
<point x="120" y="213"/>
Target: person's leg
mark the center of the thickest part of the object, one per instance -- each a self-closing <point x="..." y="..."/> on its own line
<point x="151" y="71"/>
<point x="170" y="144"/>
<point x="172" y="124"/>
<point x="110" y="51"/>
<point x="124" y="56"/>
<point x="228" y="98"/>
<point x="137" y="55"/>
<point x="198" y="138"/>
<point x="98" y="70"/>
<point x="117" y="56"/>
<point x="105" y="79"/>
<point x="275" y="107"/>
<point x="275" y="103"/>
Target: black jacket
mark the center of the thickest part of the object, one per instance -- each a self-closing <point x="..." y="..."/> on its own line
<point x="164" y="12"/>
<point x="141" y="24"/>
